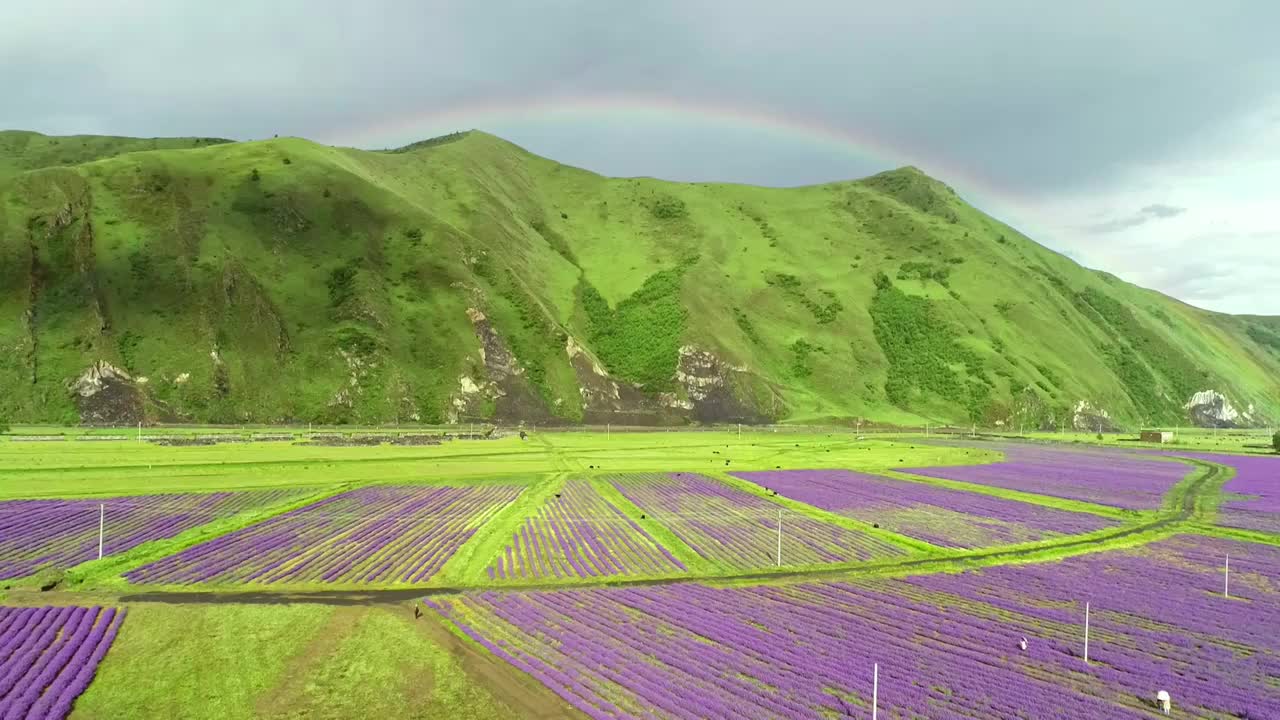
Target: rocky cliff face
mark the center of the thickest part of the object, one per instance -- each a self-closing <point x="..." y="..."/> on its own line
<point x="107" y="395"/>
<point x="502" y="390"/>
<point x="1087" y="417"/>
<point x="714" y="389"/>
<point x="1210" y="408"/>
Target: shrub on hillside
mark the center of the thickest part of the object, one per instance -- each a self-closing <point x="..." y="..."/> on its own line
<point x="639" y="340"/>
<point x="669" y="208"/>
<point x="1275" y="440"/>
<point x="341" y="283"/>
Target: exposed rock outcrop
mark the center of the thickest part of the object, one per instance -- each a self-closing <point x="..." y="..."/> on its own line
<point x="505" y="384"/>
<point x="713" y="388"/>
<point x="107" y="395"/>
<point x="1091" y="418"/>
<point x="606" y="400"/>
<point x="1210" y="408"/>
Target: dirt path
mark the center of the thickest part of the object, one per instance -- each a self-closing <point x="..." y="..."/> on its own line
<point x="525" y="695"/>
<point x="283" y="700"/>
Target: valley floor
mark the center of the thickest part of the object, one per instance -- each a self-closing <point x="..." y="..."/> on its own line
<point x="300" y="593"/>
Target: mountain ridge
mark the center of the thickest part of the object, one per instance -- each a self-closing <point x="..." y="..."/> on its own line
<point x="464" y="277"/>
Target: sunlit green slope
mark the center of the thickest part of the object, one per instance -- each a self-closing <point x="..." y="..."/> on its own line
<point x="466" y="278"/>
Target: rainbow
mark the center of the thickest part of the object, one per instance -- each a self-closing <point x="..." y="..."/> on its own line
<point x="869" y="149"/>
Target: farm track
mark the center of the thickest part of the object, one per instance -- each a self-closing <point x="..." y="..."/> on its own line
<point x="1196" y="491"/>
<point x="781" y="445"/>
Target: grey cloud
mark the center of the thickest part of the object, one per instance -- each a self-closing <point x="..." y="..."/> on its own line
<point x="1222" y="285"/>
<point x="1031" y="100"/>
<point x="1162" y="211"/>
<point x="1222" y="270"/>
<point x="1117" y="225"/>
<point x="1035" y="97"/>
<point x="1146" y="214"/>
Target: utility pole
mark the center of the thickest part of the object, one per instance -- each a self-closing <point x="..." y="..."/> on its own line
<point x="139" y="431"/>
<point x="739" y="432"/>
<point x="1086" y="633"/>
<point x="779" y="538"/>
<point x="608" y="431"/>
<point x="102" y="518"/>
<point x="875" y="689"/>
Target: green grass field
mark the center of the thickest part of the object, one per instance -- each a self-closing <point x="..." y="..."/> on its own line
<point x="1230" y="440"/>
<point x="334" y="651"/>
<point x="285" y="661"/>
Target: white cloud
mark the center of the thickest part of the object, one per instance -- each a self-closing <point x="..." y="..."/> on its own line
<point x="1222" y="253"/>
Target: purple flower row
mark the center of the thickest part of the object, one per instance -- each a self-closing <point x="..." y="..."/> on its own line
<point x="580" y="534"/>
<point x="1106" y="477"/>
<point x="1257" y="482"/>
<point x="737" y="529"/>
<point x="947" y="645"/>
<point x="64" y="533"/>
<point x="1159" y="618"/>
<point x="48" y="656"/>
<point x="374" y="534"/>
<point x="950" y="518"/>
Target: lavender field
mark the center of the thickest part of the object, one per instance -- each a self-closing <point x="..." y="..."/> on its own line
<point x="1115" y="478"/>
<point x="947" y="645"/>
<point x="736" y="529"/>
<point x="48" y="656"/>
<point x="941" y="516"/>
<point x="391" y="533"/>
<point x="578" y="533"/>
<point x="64" y="533"/>
<point x="1253" y="501"/>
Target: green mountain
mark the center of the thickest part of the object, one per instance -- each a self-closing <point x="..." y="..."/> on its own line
<point x="465" y="278"/>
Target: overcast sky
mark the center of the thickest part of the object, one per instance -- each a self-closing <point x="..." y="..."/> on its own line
<point x="1140" y="137"/>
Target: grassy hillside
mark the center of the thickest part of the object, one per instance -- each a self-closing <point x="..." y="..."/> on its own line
<point x="21" y="150"/>
<point x="465" y="278"/>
